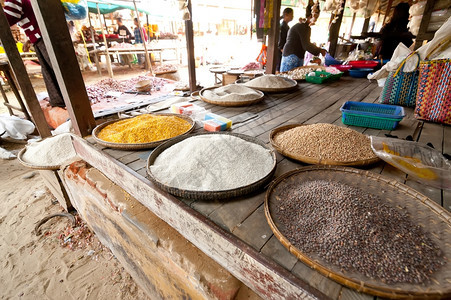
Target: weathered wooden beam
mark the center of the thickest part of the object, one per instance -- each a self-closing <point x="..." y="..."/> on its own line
<point x="266" y="278"/>
<point x="190" y="48"/>
<point x="422" y="31"/>
<point x="273" y="39"/>
<point x="387" y="11"/>
<point x="334" y="30"/>
<point x="53" y="26"/>
<point x="23" y="80"/>
<point x="366" y="24"/>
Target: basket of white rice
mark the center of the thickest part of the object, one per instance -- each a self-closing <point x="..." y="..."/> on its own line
<point x="271" y="83"/>
<point x="231" y="95"/>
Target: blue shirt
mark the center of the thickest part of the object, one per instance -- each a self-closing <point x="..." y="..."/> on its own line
<point x="138" y="36"/>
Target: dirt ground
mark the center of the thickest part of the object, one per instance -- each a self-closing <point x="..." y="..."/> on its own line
<point x="61" y="262"/>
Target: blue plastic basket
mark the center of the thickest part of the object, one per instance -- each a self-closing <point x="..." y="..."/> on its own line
<point x="372" y="115"/>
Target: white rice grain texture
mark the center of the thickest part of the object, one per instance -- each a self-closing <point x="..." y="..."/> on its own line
<point x="52" y="151"/>
<point x="269" y="81"/>
<point x="212" y="163"/>
<point x="232" y="92"/>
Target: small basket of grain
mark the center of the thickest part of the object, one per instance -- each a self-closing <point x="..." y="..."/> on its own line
<point x="143" y="85"/>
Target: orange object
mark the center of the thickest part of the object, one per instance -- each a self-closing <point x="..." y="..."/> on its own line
<point x="261" y="58"/>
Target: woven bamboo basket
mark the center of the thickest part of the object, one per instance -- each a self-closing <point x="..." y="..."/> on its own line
<point x="36" y="167"/>
<point x="137" y="146"/>
<point x="230" y="103"/>
<point x="314" y="160"/>
<point x="210" y="195"/>
<point x="302" y="68"/>
<point x="293" y="86"/>
<point x="422" y="210"/>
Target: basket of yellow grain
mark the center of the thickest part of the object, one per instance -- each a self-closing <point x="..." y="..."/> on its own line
<point x="143" y="131"/>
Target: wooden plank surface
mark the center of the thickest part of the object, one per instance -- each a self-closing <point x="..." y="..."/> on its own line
<point x="242" y="221"/>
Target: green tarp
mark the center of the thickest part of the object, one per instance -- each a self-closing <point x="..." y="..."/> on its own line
<point x="111" y="6"/>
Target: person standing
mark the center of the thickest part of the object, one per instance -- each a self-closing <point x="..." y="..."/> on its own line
<point x="287" y="16"/>
<point x="122" y="30"/>
<point x="395" y="32"/>
<point x="298" y="41"/>
<point x="20" y="12"/>
<point x="140" y="38"/>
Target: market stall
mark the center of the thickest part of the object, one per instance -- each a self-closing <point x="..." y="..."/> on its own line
<point x="234" y="228"/>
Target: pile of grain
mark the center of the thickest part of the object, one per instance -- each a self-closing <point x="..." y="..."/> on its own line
<point x="326" y="142"/>
<point x="356" y="231"/>
<point x="212" y="163"/>
<point x="52" y="151"/>
<point x="145" y="128"/>
<point x="232" y="92"/>
<point x="270" y="81"/>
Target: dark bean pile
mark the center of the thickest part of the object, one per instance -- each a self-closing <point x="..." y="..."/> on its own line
<point x="356" y="231"/>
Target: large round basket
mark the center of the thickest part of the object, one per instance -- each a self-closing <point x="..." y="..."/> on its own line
<point x="230" y="103"/>
<point x="293" y="83"/>
<point x="314" y="160"/>
<point x="422" y="211"/>
<point x="292" y="73"/>
<point x="36" y="167"/>
<point x="210" y="195"/>
<point x="139" y="146"/>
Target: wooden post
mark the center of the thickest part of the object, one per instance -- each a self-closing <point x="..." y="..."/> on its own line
<point x="16" y="64"/>
<point x="352" y="25"/>
<point x="93" y="38"/>
<point x="148" y="62"/>
<point x="387" y="11"/>
<point x="53" y="26"/>
<point x="273" y="39"/>
<point x="335" y="30"/>
<point x="422" y="31"/>
<point x="366" y="24"/>
<point x="108" y="60"/>
<point x="190" y="47"/>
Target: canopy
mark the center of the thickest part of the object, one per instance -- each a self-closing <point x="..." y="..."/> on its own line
<point x="107" y="7"/>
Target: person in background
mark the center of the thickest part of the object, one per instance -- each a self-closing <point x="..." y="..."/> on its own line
<point x="20" y="12"/>
<point x="140" y="38"/>
<point x="395" y="32"/>
<point x="298" y="41"/>
<point x="122" y="30"/>
<point x="287" y="16"/>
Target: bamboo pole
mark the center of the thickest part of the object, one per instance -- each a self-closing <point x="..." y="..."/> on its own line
<point x="148" y="61"/>
<point x="108" y="61"/>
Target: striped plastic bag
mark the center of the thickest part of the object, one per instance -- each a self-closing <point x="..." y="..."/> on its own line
<point x="401" y="87"/>
<point x="433" y="101"/>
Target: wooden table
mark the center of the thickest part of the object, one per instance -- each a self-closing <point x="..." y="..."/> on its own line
<point x="235" y="233"/>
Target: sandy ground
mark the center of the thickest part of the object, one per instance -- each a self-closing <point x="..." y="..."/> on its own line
<point x="60" y="263"/>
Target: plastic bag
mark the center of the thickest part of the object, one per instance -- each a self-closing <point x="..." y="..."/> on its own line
<point x="75" y="9"/>
<point x="14" y="127"/>
<point x="425" y="164"/>
<point x="417" y="9"/>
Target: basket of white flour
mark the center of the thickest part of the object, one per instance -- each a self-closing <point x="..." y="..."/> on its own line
<point x="211" y="166"/>
<point x="231" y="95"/>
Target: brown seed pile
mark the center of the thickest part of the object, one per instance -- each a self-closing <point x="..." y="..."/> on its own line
<point x="326" y="142"/>
<point x="357" y="231"/>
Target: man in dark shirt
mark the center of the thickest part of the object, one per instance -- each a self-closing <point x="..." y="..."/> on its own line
<point x="298" y="41"/>
<point x="286" y="17"/>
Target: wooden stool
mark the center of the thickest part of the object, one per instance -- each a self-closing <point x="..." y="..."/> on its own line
<point x="4" y="67"/>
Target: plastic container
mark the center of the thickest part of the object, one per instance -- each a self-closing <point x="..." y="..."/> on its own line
<point x="363" y="64"/>
<point x="342" y="68"/>
<point x="320" y="77"/>
<point x="372" y="115"/>
<point x="360" y="73"/>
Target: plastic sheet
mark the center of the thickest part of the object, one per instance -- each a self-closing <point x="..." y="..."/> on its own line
<point x="425" y="164"/>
